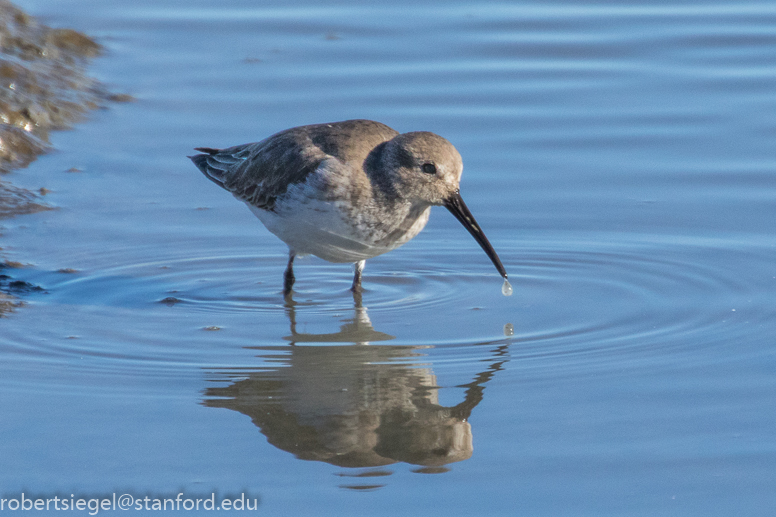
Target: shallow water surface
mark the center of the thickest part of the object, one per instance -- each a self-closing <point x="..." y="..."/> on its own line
<point x="619" y="158"/>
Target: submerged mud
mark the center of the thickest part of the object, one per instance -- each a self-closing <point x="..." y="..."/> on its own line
<point x="43" y="87"/>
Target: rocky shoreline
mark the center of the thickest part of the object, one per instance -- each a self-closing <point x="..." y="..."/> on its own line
<point x="43" y="87"/>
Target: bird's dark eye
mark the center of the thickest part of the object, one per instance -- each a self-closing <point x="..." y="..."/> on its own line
<point x="429" y="168"/>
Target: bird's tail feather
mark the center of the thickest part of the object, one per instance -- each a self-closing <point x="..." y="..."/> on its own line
<point x="215" y="164"/>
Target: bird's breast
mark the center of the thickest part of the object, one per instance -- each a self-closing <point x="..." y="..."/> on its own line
<point x="337" y="230"/>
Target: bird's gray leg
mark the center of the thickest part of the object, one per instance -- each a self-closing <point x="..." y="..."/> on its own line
<point x="358" y="267"/>
<point x="288" y="276"/>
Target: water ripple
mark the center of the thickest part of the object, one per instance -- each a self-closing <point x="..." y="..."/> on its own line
<point x="572" y="300"/>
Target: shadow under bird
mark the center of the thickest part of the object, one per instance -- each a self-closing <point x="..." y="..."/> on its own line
<point x="346" y="191"/>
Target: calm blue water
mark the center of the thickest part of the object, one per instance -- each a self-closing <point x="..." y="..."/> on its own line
<point x="620" y="158"/>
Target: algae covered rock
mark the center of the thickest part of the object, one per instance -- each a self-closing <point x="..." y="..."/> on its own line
<point x="43" y="84"/>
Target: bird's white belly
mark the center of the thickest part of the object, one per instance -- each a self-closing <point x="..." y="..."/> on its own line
<point x="324" y="229"/>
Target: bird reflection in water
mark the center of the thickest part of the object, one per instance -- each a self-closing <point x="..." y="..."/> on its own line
<point x="355" y="405"/>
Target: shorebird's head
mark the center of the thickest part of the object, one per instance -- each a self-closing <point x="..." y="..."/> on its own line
<point x="426" y="169"/>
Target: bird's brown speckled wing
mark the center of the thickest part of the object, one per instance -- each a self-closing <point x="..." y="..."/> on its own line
<point x="260" y="172"/>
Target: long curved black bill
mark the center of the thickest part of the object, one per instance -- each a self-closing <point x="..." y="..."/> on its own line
<point x="461" y="212"/>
